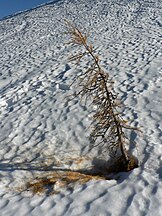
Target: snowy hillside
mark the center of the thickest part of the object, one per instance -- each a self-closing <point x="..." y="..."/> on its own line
<point x="41" y="130"/>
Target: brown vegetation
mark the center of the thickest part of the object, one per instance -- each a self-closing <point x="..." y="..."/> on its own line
<point x="56" y="181"/>
<point x="95" y="84"/>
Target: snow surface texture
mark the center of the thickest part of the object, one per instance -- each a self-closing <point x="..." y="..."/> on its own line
<point x="40" y="128"/>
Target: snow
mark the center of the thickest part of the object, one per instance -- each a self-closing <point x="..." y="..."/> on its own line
<point x="41" y="130"/>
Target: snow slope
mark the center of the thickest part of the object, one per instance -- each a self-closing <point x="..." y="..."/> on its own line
<point x="41" y="130"/>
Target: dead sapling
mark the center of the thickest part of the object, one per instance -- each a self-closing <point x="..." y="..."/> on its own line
<point x="95" y="84"/>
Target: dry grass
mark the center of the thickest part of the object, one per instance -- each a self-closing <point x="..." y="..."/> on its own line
<point x="54" y="182"/>
<point x="57" y="181"/>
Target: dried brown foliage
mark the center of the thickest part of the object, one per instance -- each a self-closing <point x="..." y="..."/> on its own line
<point x="95" y="83"/>
<point x="55" y="182"/>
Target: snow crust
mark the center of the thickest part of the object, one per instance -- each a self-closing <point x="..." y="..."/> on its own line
<point x="40" y="127"/>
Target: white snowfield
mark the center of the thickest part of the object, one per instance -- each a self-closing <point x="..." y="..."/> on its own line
<point x="41" y="130"/>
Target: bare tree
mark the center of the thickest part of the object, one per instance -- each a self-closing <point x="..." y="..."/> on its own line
<point x="95" y="84"/>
